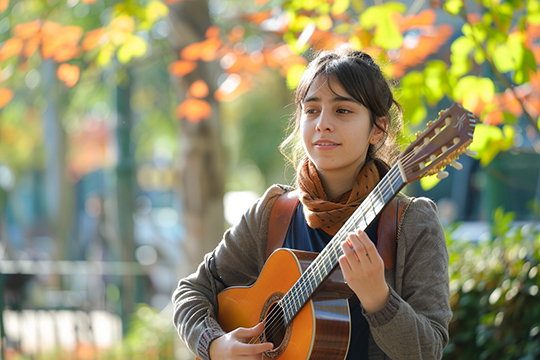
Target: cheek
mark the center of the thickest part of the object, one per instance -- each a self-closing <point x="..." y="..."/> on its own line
<point x="304" y="132"/>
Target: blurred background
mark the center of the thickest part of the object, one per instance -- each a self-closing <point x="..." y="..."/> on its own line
<point x="133" y="133"/>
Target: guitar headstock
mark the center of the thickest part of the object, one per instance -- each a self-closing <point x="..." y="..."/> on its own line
<point x="439" y="145"/>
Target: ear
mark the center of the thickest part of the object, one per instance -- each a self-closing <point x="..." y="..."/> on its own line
<point x="376" y="133"/>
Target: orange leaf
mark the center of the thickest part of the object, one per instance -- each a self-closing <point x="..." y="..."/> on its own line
<point x="231" y="88"/>
<point x="236" y="34"/>
<point x="69" y="74"/>
<point x="27" y="30"/>
<point x="67" y="53"/>
<point x="88" y="1"/>
<point x="205" y="50"/>
<point x="12" y="47"/>
<point x="50" y="28"/>
<point x="258" y="17"/>
<point x="198" y="89"/>
<point x="261" y="2"/>
<point x="5" y="97"/>
<point x="55" y="37"/>
<point x="31" y="46"/>
<point x="493" y="118"/>
<point x="423" y="18"/>
<point x="212" y="31"/>
<point x="192" y="51"/>
<point x="194" y="110"/>
<point x="181" y="67"/>
<point x="93" y="38"/>
<point x="169" y="2"/>
<point x="3" y="5"/>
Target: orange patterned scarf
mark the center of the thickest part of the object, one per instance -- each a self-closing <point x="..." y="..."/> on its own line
<point x="331" y="215"/>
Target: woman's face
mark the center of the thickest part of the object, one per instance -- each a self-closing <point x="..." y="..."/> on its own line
<point x="335" y="129"/>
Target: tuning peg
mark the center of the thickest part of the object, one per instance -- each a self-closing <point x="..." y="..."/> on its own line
<point x="470" y="152"/>
<point x="456" y="165"/>
<point x="442" y="174"/>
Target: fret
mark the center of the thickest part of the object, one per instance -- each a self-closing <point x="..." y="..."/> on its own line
<point x="328" y="259"/>
<point x="390" y="183"/>
<point x="379" y="192"/>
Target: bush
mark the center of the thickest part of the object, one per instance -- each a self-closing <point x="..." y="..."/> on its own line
<point x="494" y="293"/>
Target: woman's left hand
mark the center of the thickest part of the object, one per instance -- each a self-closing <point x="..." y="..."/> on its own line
<point x="363" y="269"/>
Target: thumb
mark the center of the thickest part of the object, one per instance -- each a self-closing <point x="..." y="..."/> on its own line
<point x="250" y="332"/>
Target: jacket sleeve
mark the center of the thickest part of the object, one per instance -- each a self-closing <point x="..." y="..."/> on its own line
<point x="415" y="324"/>
<point x="237" y="260"/>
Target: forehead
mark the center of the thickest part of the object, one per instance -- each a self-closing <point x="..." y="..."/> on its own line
<point x="322" y="86"/>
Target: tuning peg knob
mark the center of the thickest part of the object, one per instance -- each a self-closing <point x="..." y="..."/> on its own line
<point x="470" y="152"/>
<point x="442" y="174"/>
<point x="456" y="165"/>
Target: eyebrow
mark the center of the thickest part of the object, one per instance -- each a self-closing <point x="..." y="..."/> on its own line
<point x="337" y="98"/>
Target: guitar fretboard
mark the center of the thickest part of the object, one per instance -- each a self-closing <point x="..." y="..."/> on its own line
<point x="328" y="259"/>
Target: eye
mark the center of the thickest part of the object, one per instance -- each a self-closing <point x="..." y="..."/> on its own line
<point x="343" y="111"/>
<point x="310" y="110"/>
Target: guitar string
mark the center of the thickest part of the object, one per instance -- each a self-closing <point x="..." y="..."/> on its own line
<point x="274" y="319"/>
<point x="359" y="216"/>
<point x="335" y="246"/>
<point x="285" y="303"/>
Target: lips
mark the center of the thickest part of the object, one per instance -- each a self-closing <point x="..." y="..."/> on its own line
<point x="325" y="144"/>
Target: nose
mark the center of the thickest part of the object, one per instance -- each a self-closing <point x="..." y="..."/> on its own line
<point x="324" y="122"/>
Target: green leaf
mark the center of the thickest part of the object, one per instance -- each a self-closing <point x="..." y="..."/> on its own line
<point x="135" y="46"/>
<point x="501" y="59"/>
<point x="460" y="51"/>
<point x="340" y="6"/>
<point x="488" y="141"/>
<point x="372" y="16"/>
<point x="471" y="88"/>
<point x="429" y="182"/>
<point x="527" y="65"/>
<point x="411" y="97"/>
<point x="380" y="17"/>
<point x="486" y="89"/>
<point x="453" y="6"/>
<point x="533" y="12"/>
<point x="436" y="81"/>
<point x="293" y="75"/>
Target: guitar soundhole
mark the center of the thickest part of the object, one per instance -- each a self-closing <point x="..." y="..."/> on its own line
<point x="275" y="330"/>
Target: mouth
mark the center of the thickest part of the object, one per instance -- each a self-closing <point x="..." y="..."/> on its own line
<point x="325" y="143"/>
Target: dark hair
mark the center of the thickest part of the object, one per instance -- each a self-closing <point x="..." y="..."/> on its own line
<point x="362" y="79"/>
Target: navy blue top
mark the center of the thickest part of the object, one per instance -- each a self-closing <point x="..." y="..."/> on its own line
<point x="302" y="237"/>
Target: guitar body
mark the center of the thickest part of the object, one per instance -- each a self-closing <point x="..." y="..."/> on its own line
<point x="321" y="329"/>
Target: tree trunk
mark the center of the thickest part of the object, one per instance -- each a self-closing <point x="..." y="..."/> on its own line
<point x="201" y="157"/>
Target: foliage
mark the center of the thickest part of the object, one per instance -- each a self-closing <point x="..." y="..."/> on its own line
<point x="150" y="335"/>
<point x="494" y="293"/>
<point x="489" y="66"/>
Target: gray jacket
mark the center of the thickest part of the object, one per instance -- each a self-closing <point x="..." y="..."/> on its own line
<point x="412" y="325"/>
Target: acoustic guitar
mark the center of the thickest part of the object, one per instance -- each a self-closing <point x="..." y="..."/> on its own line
<point x="301" y="296"/>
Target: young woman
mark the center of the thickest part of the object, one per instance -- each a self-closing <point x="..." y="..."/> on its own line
<point x="343" y="137"/>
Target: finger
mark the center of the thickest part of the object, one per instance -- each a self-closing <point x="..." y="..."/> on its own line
<point x="363" y="244"/>
<point x="359" y="247"/>
<point x="249" y="332"/>
<point x="252" y="349"/>
<point x="348" y="250"/>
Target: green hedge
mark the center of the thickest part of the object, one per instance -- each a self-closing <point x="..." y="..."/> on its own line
<point x="494" y="293"/>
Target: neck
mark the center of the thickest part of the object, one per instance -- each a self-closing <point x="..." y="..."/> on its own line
<point x="336" y="183"/>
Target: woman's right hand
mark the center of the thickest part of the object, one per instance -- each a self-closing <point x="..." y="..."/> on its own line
<point x="235" y="345"/>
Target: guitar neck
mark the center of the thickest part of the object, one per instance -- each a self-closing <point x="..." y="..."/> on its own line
<point x="328" y="259"/>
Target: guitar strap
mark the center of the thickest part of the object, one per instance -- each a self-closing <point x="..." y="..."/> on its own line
<point x="387" y="232"/>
